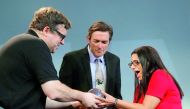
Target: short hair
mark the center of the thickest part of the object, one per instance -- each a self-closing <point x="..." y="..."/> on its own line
<point x="48" y="16"/>
<point x="100" y="26"/>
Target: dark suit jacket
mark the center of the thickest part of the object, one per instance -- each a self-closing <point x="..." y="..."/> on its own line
<point x="75" y="72"/>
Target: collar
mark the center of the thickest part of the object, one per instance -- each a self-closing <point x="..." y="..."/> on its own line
<point x="32" y="32"/>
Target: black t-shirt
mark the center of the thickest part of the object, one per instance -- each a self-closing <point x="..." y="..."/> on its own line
<point x="25" y="64"/>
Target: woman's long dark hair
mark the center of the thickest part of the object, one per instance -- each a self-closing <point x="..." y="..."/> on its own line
<point x="150" y="61"/>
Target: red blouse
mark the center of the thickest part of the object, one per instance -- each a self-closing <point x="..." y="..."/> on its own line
<point x="162" y="86"/>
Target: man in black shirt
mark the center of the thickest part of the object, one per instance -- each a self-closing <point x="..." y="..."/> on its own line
<point x="27" y="73"/>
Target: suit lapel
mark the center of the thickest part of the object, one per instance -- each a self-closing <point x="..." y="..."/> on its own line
<point x="108" y="64"/>
<point x="86" y="62"/>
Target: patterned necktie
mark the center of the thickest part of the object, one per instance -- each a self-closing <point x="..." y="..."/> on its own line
<point x="100" y="81"/>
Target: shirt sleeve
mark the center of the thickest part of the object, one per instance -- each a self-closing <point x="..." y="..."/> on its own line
<point x="158" y="84"/>
<point x="39" y="61"/>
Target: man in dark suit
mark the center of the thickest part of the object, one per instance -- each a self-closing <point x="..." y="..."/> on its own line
<point x="78" y="67"/>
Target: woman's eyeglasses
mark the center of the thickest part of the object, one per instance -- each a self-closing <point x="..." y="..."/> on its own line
<point x="135" y="63"/>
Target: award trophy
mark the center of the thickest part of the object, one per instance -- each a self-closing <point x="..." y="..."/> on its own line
<point x="97" y="92"/>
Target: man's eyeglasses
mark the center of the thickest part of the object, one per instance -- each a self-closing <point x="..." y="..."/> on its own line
<point x="135" y="63"/>
<point x="60" y="35"/>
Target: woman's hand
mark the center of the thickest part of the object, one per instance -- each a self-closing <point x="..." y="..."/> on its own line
<point x="110" y="100"/>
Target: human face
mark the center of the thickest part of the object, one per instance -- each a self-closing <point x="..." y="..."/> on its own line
<point x="98" y="43"/>
<point x="56" y="38"/>
<point x="136" y="66"/>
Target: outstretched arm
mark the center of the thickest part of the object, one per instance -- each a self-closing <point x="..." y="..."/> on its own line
<point x="150" y="102"/>
<point x="52" y="104"/>
<point x="55" y="90"/>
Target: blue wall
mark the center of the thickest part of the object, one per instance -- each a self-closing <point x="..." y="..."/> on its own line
<point x="163" y="24"/>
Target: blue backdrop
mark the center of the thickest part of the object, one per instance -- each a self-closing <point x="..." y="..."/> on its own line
<point x="163" y="24"/>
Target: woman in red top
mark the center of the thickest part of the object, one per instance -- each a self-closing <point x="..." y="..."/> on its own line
<point x="155" y="88"/>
